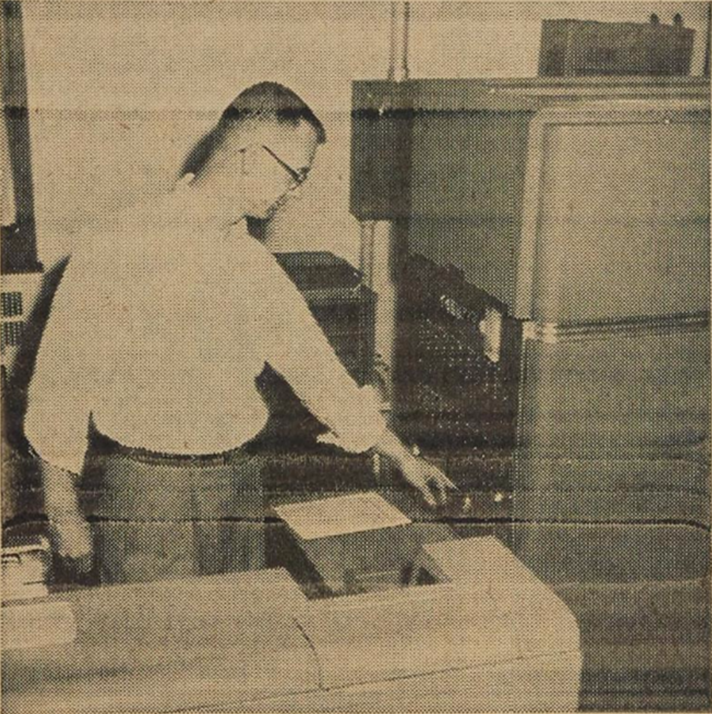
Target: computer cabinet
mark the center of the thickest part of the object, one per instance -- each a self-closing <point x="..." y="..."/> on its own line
<point x="576" y="211"/>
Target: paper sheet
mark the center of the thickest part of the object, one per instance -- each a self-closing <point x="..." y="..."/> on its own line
<point x="341" y="515"/>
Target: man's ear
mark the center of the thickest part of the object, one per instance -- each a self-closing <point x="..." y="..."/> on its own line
<point x="250" y="157"/>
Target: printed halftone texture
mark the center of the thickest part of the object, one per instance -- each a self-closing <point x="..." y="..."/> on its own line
<point x="573" y="214"/>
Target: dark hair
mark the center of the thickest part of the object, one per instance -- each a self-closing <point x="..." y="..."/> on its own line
<point x="266" y="101"/>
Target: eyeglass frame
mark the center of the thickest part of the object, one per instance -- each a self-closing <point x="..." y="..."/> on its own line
<point x="298" y="177"/>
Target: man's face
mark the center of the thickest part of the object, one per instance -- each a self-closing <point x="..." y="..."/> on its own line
<point x="280" y="161"/>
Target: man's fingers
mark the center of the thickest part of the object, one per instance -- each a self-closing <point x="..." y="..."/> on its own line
<point x="442" y="491"/>
<point x="441" y="484"/>
<point x="437" y="476"/>
<point x="451" y="484"/>
<point x="428" y="495"/>
<point x="437" y="488"/>
<point x="422" y="486"/>
<point x="444" y="482"/>
<point x="429" y="480"/>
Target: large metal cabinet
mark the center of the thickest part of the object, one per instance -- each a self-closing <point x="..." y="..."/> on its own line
<point x="469" y="162"/>
<point x="578" y="211"/>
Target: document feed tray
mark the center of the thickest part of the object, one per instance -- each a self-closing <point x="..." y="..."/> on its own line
<point x="490" y="610"/>
<point x="486" y="635"/>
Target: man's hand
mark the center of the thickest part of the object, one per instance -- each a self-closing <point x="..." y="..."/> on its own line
<point x="69" y="531"/>
<point x="71" y="538"/>
<point x="427" y="478"/>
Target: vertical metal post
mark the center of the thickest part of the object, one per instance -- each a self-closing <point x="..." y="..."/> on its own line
<point x="19" y="252"/>
<point x="366" y="247"/>
<point x="706" y="70"/>
<point x="378" y="237"/>
<point x="400" y="21"/>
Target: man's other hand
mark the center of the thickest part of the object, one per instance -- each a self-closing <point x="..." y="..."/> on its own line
<point x="71" y="538"/>
<point x="427" y="478"/>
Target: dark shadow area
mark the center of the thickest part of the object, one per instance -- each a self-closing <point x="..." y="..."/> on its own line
<point x="22" y="502"/>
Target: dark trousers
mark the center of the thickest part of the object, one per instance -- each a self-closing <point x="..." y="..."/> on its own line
<point x="157" y="516"/>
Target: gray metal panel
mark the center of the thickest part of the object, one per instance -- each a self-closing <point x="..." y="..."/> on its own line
<point x="613" y="552"/>
<point x="536" y="92"/>
<point x="616" y="212"/>
<point x="384" y="113"/>
<point x="608" y="390"/>
<point x="612" y="464"/>
<point x="467" y="194"/>
<point x="380" y="150"/>
<point x="482" y="247"/>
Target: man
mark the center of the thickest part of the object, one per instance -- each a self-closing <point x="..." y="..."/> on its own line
<point x="163" y="319"/>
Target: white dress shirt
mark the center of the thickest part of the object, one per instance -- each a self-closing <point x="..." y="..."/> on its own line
<point x="158" y="329"/>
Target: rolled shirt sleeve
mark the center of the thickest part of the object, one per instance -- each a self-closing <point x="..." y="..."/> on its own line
<point x="60" y="393"/>
<point x="300" y="351"/>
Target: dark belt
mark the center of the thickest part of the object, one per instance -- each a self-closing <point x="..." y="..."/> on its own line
<point x="100" y="444"/>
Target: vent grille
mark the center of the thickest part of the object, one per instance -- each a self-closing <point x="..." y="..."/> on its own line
<point x="11" y="334"/>
<point x="11" y="304"/>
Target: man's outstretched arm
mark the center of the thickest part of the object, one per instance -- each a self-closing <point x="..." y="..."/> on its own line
<point x="300" y="351"/>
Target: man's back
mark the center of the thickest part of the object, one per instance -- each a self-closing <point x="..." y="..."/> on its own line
<point x="155" y="329"/>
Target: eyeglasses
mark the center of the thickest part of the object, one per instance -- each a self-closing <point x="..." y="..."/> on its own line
<point x="298" y="177"/>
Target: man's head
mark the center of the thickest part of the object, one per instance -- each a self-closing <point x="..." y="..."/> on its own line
<point x="261" y="149"/>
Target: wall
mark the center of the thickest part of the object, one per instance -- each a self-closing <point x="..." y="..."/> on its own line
<point x="119" y="90"/>
<point x="501" y="39"/>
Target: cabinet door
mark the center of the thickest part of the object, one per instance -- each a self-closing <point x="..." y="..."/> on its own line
<point x="613" y="449"/>
<point x="608" y="392"/>
<point x="623" y="223"/>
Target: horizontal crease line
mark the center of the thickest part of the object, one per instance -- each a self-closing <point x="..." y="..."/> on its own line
<point x="221" y="519"/>
<point x="623" y="493"/>
<point x="229" y="488"/>
<point x="485" y="489"/>
<point x="641" y="522"/>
